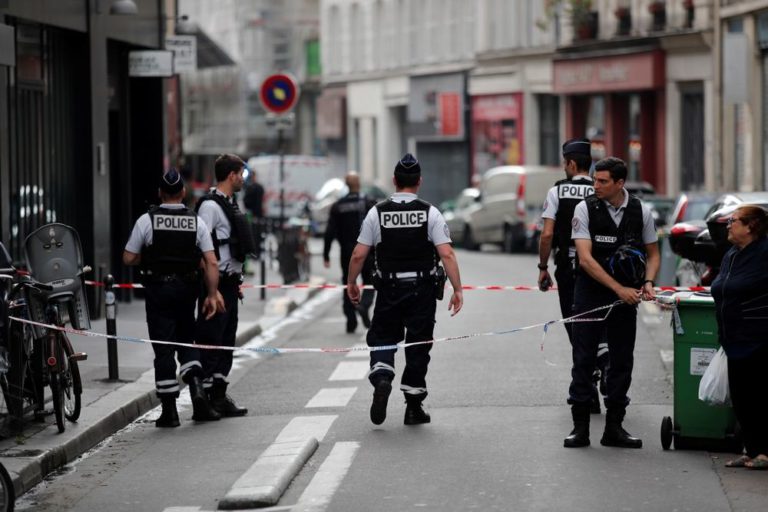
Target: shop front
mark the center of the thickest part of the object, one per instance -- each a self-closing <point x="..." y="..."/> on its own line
<point x="619" y="102"/>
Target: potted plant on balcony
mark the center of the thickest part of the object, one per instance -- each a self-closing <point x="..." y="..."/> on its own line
<point x="658" y="9"/>
<point x="624" y="17"/>
<point x="583" y="18"/>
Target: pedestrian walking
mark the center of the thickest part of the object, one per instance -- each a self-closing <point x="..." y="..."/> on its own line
<point x="233" y="241"/>
<point x="410" y="238"/>
<point x="618" y="258"/>
<point x="253" y="200"/>
<point x="344" y="222"/>
<point x="740" y="303"/>
<point x="171" y="244"/>
<point x="559" y="205"/>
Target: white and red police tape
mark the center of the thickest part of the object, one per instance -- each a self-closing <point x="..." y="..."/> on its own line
<point x="492" y="287"/>
<point x="330" y="350"/>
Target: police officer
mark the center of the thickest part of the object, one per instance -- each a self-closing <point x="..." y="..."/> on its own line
<point x="618" y="258"/>
<point x="233" y="241"/>
<point x="409" y="236"/>
<point x="168" y="242"/>
<point x="344" y="223"/>
<point x="556" y="234"/>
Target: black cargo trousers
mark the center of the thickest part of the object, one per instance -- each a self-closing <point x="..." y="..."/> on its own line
<point x="404" y="309"/>
<point x="170" y="308"/>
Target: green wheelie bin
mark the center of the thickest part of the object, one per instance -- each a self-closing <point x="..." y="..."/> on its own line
<point x="695" y="424"/>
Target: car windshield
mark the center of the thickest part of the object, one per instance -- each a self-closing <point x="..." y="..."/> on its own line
<point x="696" y="210"/>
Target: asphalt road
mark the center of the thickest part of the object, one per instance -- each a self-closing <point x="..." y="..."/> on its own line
<point x="495" y="442"/>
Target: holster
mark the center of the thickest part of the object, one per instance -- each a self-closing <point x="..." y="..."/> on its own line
<point x="440" y="280"/>
<point x="376" y="281"/>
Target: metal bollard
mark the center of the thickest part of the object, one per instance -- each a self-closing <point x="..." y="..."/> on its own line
<point x="111" y="313"/>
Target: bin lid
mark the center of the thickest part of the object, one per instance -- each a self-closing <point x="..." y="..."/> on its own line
<point x="694" y="299"/>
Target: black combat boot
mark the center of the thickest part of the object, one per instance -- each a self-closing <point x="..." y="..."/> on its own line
<point x="169" y="418"/>
<point x="223" y="403"/>
<point x="579" y="436"/>
<point x="614" y="434"/>
<point x="201" y="408"/>
<point x="414" y="413"/>
<point x="381" y="391"/>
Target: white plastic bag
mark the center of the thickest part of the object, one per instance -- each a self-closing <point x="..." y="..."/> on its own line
<point x="713" y="388"/>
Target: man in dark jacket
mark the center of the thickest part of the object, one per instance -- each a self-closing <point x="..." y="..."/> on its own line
<point x="344" y="223"/>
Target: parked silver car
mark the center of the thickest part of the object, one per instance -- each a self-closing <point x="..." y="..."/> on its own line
<point x="511" y="199"/>
<point x="456" y="212"/>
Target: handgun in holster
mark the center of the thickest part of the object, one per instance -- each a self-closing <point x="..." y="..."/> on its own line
<point x="440" y="279"/>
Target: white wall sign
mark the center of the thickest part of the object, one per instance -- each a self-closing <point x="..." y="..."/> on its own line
<point x="157" y="63"/>
<point x="184" y="50"/>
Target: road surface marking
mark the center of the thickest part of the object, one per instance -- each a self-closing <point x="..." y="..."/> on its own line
<point x="332" y="397"/>
<point x="326" y="481"/>
<point x="266" y="480"/>
<point x="303" y="427"/>
<point x="350" y="370"/>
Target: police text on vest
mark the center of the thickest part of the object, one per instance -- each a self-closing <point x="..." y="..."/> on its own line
<point x="175" y="223"/>
<point x="575" y="191"/>
<point x="411" y="219"/>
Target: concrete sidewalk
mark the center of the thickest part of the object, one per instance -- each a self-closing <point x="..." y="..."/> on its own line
<point x="109" y="405"/>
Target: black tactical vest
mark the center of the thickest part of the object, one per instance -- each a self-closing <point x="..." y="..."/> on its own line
<point x="606" y="236"/>
<point x="241" y="241"/>
<point x="349" y="213"/>
<point x="405" y="244"/>
<point x="174" y="242"/>
<point x="569" y="194"/>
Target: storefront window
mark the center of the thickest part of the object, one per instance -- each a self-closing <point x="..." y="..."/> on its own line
<point x="497" y="131"/>
<point x="596" y="126"/>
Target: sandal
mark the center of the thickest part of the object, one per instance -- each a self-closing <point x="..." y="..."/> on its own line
<point x="759" y="462"/>
<point x="739" y="462"/>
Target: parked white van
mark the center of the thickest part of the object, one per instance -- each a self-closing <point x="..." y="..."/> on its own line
<point x="304" y="175"/>
<point x="511" y="200"/>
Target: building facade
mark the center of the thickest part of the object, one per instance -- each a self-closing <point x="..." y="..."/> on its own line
<point x="638" y="78"/>
<point x="81" y="141"/>
<point x="221" y="110"/>
<point x="454" y="82"/>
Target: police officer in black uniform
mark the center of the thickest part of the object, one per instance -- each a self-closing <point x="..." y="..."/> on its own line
<point x="556" y="234"/>
<point x="409" y="236"/>
<point x="344" y="224"/>
<point x="233" y="241"/>
<point x="618" y="258"/>
<point x="169" y="242"/>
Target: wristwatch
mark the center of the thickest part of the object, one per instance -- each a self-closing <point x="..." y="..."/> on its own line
<point x="649" y="281"/>
<point x="542" y="267"/>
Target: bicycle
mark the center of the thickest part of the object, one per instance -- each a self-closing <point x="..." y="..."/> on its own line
<point x="41" y="356"/>
<point x="7" y="492"/>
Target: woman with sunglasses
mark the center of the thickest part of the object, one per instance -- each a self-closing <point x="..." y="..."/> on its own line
<point x="741" y="302"/>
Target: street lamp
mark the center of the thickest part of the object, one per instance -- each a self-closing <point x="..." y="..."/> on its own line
<point x="123" y="7"/>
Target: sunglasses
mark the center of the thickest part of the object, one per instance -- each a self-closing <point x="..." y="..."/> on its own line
<point x="730" y="221"/>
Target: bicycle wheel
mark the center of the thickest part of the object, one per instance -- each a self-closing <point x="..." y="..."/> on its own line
<point x="57" y="395"/>
<point x="7" y="493"/>
<point x="71" y="384"/>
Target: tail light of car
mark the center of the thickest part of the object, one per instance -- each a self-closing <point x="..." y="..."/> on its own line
<point x="521" y="197"/>
<point x="682" y="228"/>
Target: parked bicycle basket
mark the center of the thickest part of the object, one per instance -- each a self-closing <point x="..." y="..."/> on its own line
<point x="54" y="256"/>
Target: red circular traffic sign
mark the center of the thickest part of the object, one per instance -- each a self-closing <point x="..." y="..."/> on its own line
<point x="279" y="93"/>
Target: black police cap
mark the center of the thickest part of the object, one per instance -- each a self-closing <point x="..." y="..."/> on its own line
<point x="408" y="165"/>
<point x="577" y="147"/>
<point x="171" y="183"/>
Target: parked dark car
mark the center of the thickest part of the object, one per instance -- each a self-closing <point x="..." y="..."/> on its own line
<point x="717" y="221"/>
<point x="707" y="243"/>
